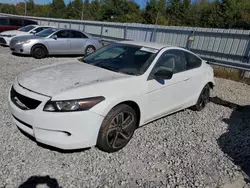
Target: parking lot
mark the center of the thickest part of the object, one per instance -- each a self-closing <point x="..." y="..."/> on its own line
<point x="186" y="149"/>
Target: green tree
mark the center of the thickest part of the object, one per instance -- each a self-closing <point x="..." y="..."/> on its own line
<point x="74" y="9"/>
<point x="95" y="10"/>
<point x="175" y="12"/>
<point x="86" y="10"/>
<point x="155" y="12"/>
<point x="120" y="11"/>
<point x="211" y="15"/>
<point x="230" y="12"/>
<point x="58" y="9"/>
<point x="162" y="6"/>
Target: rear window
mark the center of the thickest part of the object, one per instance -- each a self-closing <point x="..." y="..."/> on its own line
<point x="3" y="21"/>
<point x="192" y="61"/>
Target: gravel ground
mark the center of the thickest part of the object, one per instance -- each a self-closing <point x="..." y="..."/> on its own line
<point x="187" y="149"/>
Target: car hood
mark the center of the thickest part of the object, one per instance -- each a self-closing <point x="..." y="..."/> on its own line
<point x="26" y="37"/>
<point x="54" y="79"/>
<point x="13" y="32"/>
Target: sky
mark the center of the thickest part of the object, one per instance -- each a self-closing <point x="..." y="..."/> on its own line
<point x="142" y="3"/>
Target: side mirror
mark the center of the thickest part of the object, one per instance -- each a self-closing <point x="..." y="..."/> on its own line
<point x="54" y="37"/>
<point x="163" y="74"/>
<point x="33" y="32"/>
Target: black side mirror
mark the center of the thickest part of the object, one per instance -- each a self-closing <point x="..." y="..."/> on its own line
<point x="163" y="74"/>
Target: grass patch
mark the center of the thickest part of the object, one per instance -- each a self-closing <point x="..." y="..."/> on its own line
<point x="230" y="74"/>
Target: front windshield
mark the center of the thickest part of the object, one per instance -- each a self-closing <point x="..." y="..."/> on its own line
<point x="26" y="28"/>
<point x="123" y="58"/>
<point x="46" y="32"/>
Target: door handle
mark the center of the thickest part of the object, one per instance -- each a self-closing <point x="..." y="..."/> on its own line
<point x="186" y="79"/>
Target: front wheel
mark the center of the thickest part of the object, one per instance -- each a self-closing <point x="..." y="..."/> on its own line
<point x="39" y="52"/>
<point x="89" y="50"/>
<point x="203" y="99"/>
<point x="117" y="128"/>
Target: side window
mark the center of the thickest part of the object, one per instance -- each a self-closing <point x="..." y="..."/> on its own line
<point x="3" y="21"/>
<point x="76" y="34"/>
<point x="37" y="30"/>
<point x="63" y="34"/>
<point x="192" y="61"/>
<point x="29" y="22"/>
<point x="174" y="60"/>
<point x="16" y="22"/>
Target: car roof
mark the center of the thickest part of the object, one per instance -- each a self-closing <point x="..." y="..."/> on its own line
<point x="52" y="26"/>
<point x="87" y="34"/>
<point x="68" y="29"/>
<point x="154" y="45"/>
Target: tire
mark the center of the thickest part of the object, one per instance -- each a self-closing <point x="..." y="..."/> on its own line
<point x="89" y="49"/>
<point x="117" y="128"/>
<point x="203" y="99"/>
<point x="39" y="52"/>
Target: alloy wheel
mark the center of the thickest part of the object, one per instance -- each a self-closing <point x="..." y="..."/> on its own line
<point x="204" y="97"/>
<point x="120" y="130"/>
<point x="90" y="50"/>
<point x="39" y="52"/>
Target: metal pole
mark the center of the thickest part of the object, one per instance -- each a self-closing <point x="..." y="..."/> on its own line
<point x="153" y="34"/>
<point x="25" y="11"/>
<point x="157" y="18"/>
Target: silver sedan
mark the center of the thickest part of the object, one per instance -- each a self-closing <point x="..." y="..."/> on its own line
<point x="55" y="41"/>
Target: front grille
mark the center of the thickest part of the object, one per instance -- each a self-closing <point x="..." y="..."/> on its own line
<point x="23" y="102"/>
<point x="2" y="41"/>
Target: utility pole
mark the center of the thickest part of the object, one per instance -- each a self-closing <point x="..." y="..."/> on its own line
<point x="25" y="9"/>
<point x="82" y="13"/>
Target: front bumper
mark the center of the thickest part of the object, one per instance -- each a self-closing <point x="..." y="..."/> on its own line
<point x="71" y="130"/>
<point x="3" y="41"/>
<point x="20" y="48"/>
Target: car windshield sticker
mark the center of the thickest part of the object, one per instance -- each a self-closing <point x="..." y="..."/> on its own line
<point x="152" y="50"/>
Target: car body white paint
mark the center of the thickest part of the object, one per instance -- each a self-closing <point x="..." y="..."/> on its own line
<point x="77" y="80"/>
<point x="8" y="35"/>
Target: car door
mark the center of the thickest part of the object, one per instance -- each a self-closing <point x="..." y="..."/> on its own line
<point x="167" y="96"/>
<point x="60" y="44"/>
<point x="195" y="74"/>
<point x="78" y="42"/>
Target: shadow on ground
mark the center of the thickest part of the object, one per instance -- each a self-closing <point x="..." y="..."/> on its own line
<point x="34" y="181"/>
<point x="236" y="141"/>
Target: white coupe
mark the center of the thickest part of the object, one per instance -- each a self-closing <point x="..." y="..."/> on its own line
<point x="6" y="36"/>
<point x="101" y="99"/>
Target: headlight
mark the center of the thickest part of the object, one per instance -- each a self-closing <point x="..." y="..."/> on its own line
<point x="72" y="105"/>
<point x="24" y="42"/>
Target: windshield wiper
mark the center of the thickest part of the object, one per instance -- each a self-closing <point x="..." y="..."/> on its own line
<point x="127" y="72"/>
<point x="107" y="67"/>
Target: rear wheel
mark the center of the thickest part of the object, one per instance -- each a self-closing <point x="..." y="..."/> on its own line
<point x="39" y="52"/>
<point x="117" y="128"/>
<point x="89" y="50"/>
<point x="203" y="99"/>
